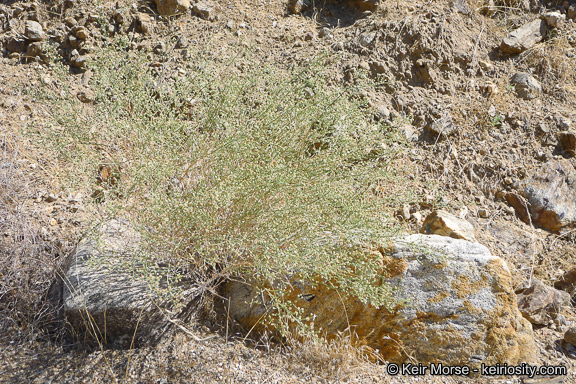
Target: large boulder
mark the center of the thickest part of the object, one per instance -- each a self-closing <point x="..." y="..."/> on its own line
<point x="98" y="300"/>
<point x="548" y="197"/>
<point x="455" y="306"/>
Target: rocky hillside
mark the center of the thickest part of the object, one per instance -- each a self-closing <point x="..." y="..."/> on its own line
<point x="470" y="104"/>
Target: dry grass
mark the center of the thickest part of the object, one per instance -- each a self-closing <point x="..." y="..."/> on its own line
<point x="27" y="262"/>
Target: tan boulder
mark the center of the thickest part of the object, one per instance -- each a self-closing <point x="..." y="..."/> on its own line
<point x="455" y="306"/>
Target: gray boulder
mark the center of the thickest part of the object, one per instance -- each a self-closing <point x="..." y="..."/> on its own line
<point x="456" y="306"/>
<point x="99" y="301"/>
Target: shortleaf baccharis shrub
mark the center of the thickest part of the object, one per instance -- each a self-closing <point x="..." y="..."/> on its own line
<point x="229" y="172"/>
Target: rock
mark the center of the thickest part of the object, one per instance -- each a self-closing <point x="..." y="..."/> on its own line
<point x="445" y="224"/>
<point x="524" y="37"/>
<point x="86" y="96"/>
<point x="93" y="293"/>
<point x="15" y="44"/>
<point x="298" y="6"/>
<point x="570" y="336"/>
<point x="567" y="282"/>
<point x="36" y="49"/>
<point x="554" y="19"/>
<point x="541" y="304"/>
<point x="206" y="10"/>
<point x="527" y="87"/>
<point x="366" y="39"/>
<point x="461" y="6"/>
<point x="571" y="12"/>
<point x="547" y="198"/>
<point x="71" y="22"/>
<point x="457" y="306"/>
<point x="483" y="213"/>
<point x="417" y="217"/>
<point x="567" y="143"/>
<point x="80" y="32"/>
<point x="408" y="132"/>
<point x="443" y="126"/>
<point x="144" y="23"/>
<point x="172" y="7"/>
<point x="78" y="61"/>
<point x="34" y="31"/>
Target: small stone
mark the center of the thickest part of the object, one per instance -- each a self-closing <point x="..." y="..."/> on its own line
<point x="71" y="22"/>
<point x="86" y="96"/>
<point x="53" y="222"/>
<point x="554" y="18"/>
<point x="417" y="217"/>
<point x="406" y="212"/>
<point x="51" y="198"/>
<point x="445" y="224"/>
<point x="298" y="6"/>
<point x="366" y="39"/>
<point x="144" y="23"/>
<point x="483" y="213"/>
<point x="540" y="304"/>
<point x="81" y="33"/>
<point x="78" y="61"/>
<point x="524" y="37"/>
<point x="34" y="31"/>
<point x="571" y="12"/>
<point x="172" y="7"/>
<point x="206" y="10"/>
<point x="527" y="87"/>
<point x="570" y="336"/>
<point x="15" y="44"/>
<point x="567" y="143"/>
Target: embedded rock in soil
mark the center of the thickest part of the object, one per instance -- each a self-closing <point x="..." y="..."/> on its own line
<point x="96" y="297"/>
<point x="567" y="143"/>
<point x="540" y="304"/>
<point x="456" y="306"/>
<point x="172" y="7"/>
<point x="34" y="31"/>
<point x="446" y="224"/>
<point x="527" y="87"/>
<point x="567" y="282"/>
<point x="524" y="37"/>
<point x="548" y="197"/>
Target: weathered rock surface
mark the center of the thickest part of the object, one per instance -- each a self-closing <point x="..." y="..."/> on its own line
<point x="567" y="143"/>
<point x="570" y="336"/>
<point x="99" y="300"/>
<point x="540" y="304"/>
<point x="554" y="19"/>
<point x="34" y="31"/>
<point x="172" y="7"/>
<point x="206" y="10"/>
<point x="548" y="198"/>
<point x="567" y="282"/>
<point x="524" y="37"/>
<point x="527" y="87"/>
<point x="446" y="224"/>
<point x="459" y="306"/>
